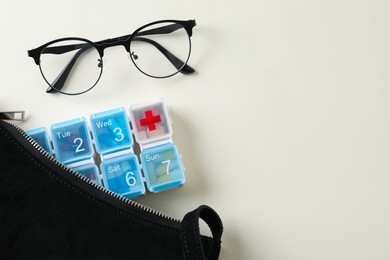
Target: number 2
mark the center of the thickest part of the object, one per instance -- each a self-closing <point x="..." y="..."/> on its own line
<point x="80" y="143"/>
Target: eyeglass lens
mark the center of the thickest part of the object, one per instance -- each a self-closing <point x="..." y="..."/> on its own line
<point x="160" y="50"/>
<point x="71" y="66"/>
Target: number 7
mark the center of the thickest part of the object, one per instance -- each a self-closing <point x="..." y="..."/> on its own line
<point x="168" y="162"/>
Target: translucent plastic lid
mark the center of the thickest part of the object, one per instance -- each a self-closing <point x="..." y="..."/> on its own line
<point x="150" y="122"/>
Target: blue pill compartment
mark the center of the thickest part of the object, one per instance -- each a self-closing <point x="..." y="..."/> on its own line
<point x="72" y="141"/>
<point x="40" y="136"/>
<point x="89" y="171"/>
<point x="122" y="175"/>
<point x="162" y="167"/>
<point x="151" y="122"/>
<point x="111" y="131"/>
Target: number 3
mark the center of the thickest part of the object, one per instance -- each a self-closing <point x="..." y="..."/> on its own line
<point x="118" y="132"/>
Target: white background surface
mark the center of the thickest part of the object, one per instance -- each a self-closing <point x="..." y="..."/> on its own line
<point x="284" y="129"/>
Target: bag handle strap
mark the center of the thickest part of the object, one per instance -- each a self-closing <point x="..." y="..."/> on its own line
<point x="193" y="244"/>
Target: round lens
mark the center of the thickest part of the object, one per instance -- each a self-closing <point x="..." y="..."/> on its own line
<point x="160" y="50"/>
<point x="71" y="66"/>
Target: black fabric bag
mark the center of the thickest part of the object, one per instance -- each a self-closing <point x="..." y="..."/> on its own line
<point x="50" y="212"/>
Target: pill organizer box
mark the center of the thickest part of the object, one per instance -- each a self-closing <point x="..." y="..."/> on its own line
<point x="101" y="148"/>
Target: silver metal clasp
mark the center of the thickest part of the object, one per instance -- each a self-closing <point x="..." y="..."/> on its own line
<point x="12" y="115"/>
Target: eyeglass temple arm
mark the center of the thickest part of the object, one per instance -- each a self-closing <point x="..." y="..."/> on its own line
<point x="176" y="62"/>
<point x="161" y="30"/>
<point x="64" y="48"/>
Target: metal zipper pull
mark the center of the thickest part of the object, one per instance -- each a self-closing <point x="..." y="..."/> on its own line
<point x="12" y="115"/>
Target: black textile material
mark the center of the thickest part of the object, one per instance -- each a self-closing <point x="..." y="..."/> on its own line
<point x="47" y="213"/>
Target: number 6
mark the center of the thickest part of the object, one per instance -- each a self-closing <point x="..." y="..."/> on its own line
<point x="130" y="179"/>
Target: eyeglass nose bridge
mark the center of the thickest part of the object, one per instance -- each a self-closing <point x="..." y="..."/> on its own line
<point x="112" y="42"/>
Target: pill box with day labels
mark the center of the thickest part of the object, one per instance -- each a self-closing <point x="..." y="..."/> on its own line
<point x="109" y="135"/>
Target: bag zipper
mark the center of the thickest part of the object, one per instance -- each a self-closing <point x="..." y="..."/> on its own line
<point x="93" y="185"/>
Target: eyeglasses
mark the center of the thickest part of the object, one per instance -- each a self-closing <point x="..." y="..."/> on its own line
<point x="74" y="65"/>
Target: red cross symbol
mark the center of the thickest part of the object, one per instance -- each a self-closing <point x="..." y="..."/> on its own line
<point x="150" y="120"/>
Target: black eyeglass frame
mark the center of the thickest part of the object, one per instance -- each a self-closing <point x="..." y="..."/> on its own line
<point x="124" y="41"/>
